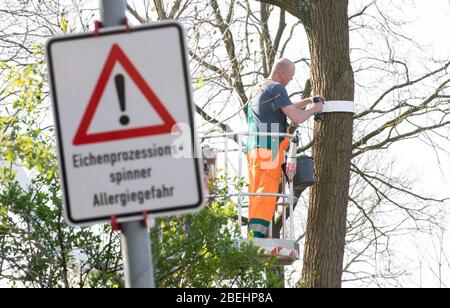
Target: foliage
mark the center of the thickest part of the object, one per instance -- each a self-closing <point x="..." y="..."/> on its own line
<point x="37" y="248"/>
<point x="201" y="250"/>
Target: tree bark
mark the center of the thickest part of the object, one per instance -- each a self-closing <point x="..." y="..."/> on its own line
<point x="332" y="77"/>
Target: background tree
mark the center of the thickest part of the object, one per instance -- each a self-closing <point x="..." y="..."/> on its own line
<point x="326" y="25"/>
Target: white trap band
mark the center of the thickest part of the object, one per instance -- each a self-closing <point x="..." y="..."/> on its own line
<point x="339" y="106"/>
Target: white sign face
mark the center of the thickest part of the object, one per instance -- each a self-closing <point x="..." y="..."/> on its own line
<point x="119" y="100"/>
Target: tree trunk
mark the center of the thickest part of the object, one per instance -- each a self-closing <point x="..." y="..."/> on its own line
<point x="332" y="77"/>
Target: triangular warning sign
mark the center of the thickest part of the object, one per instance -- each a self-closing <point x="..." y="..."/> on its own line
<point x="83" y="137"/>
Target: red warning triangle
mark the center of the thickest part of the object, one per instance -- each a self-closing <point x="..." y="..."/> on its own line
<point x="117" y="55"/>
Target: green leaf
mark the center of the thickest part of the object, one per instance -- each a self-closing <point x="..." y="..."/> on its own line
<point x="64" y="25"/>
<point x="9" y="157"/>
<point x="201" y="82"/>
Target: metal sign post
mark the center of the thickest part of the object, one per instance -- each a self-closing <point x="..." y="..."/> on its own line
<point x="137" y="255"/>
<point x="136" y="245"/>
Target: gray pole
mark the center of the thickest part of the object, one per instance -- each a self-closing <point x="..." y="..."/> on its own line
<point x="112" y="12"/>
<point x="136" y="246"/>
<point x="137" y="256"/>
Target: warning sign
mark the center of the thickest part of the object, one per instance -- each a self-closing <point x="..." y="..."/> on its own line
<point x="118" y="57"/>
<point x="119" y="100"/>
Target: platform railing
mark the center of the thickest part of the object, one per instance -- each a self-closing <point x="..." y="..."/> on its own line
<point x="287" y="198"/>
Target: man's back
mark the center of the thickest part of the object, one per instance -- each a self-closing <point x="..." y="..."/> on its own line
<point x="265" y="114"/>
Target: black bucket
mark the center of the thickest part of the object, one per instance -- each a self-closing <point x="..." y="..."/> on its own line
<point x="304" y="176"/>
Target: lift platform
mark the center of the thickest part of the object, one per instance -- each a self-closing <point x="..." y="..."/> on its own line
<point x="230" y="146"/>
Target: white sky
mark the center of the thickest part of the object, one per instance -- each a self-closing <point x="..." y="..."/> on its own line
<point x="431" y="25"/>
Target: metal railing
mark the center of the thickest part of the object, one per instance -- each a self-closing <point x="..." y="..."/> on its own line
<point x="288" y="198"/>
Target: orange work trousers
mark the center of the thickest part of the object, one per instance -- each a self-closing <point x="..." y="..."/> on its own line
<point x="264" y="177"/>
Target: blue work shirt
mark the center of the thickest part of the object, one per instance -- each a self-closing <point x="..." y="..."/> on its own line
<point x="265" y="114"/>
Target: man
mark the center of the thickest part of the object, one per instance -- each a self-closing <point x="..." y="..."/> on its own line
<point x="268" y="110"/>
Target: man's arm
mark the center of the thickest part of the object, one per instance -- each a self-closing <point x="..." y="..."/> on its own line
<point x="303" y="103"/>
<point x="292" y="110"/>
<point x="299" y="116"/>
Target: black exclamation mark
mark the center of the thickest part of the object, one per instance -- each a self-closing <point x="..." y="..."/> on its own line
<point x="120" y="87"/>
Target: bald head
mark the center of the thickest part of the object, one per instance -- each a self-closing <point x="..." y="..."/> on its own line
<point x="283" y="65"/>
<point x="283" y="70"/>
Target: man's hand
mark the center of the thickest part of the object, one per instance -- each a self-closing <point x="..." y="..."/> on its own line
<point x="318" y="99"/>
<point x="318" y="102"/>
<point x="299" y="116"/>
<point x="317" y="108"/>
<point x="305" y="102"/>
